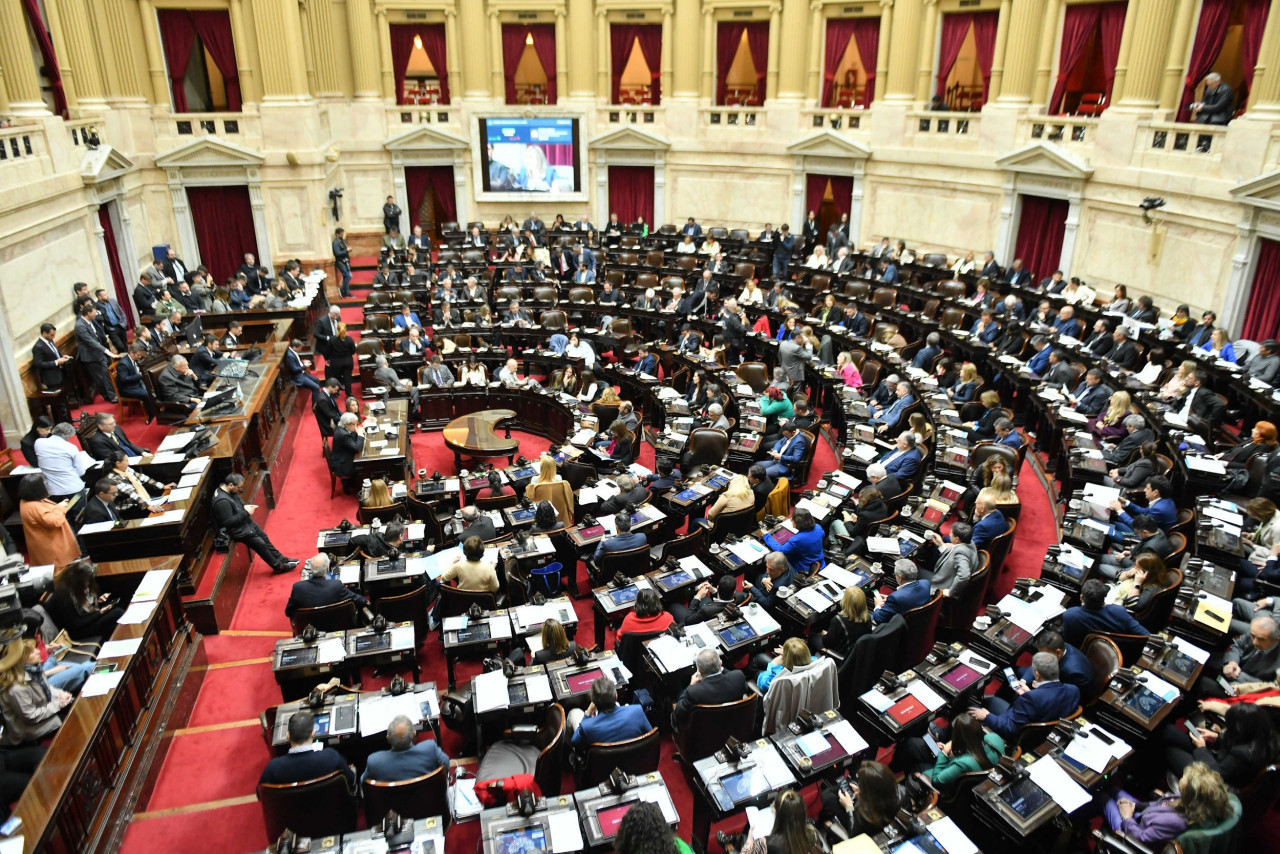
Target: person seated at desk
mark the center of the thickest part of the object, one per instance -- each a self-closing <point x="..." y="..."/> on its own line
<point x="904" y="460"/>
<point x="871" y="509"/>
<point x="1007" y="435"/>
<point x="984" y="429"/>
<point x="473" y="373"/>
<point x="804" y="549"/>
<point x="445" y="317"/>
<point x="1138" y="585"/>
<point x="1136" y="473"/>
<point x="78" y="608"/>
<point x="303" y="762"/>
<point x="875" y="800"/>
<point x="1159" y="506"/>
<point x="1093" y="614"/>
<point x="556" y="645"/>
<point x="1243" y="748"/>
<point x="385" y="278"/>
<point x="778" y="573"/>
<point x="709" y="602"/>
<point x="966" y="384"/>
<point x="41" y="428"/>
<point x="100" y="506"/>
<point x="377" y="495"/>
<point x="347" y="445"/>
<point x="1134" y="431"/>
<point x="1039" y="361"/>
<point x="1265" y="367"/>
<point x="133" y="488"/>
<point x="988" y="521"/>
<point x="736" y="496"/>
<point x="548" y="486"/>
<point x="30" y="704"/>
<point x="1066" y="324"/>
<point x="1046" y="699"/>
<point x="631" y="491"/>
<point x="1202" y="801"/>
<point x="110" y="437"/>
<point x="912" y="591"/>
<point x="317" y="589"/>
<point x="516" y="315"/>
<point x="406" y="319"/>
<point x="404" y="760"/>
<point x="1073" y="666"/>
<point x="761" y="485"/>
<point x="1218" y="346"/>
<point x="970" y="748"/>
<point x="544" y="519"/>
<point x="1091" y="395"/>
<point x="648" y="616"/>
<point x="472" y="571"/>
<point x="1252" y="657"/>
<point x="710" y="685"/>
<point x="578" y="349"/>
<point x="496" y="488"/>
<point x="204" y="361"/>
<point x="381" y="542"/>
<point x="510" y="376"/>
<point x="850" y="622"/>
<point x="621" y="541"/>
<point x="885" y="417"/>
<point x="438" y="373"/>
<point x="477" y="524"/>
<point x="1058" y="374"/>
<point x="384" y="374"/>
<point x="787" y="451"/>
<point x="618" y="447"/>
<point x="792" y="655"/>
<point x="1150" y="540"/>
<point x="604" y="720"/>
<point x="177" y="383"/>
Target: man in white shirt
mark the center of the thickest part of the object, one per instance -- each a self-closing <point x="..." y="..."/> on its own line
<point x="62" y="463"/>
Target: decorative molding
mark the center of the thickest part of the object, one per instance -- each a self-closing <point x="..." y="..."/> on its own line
<point x="1045" y="160"/>
<point x="424" y="136"/>
<point x="1261" y="192"/>
<point x="827" y="143"/>
<point x="103" y="164"/>
<point x="208" y="151"/>
<point x="629" y="139"/>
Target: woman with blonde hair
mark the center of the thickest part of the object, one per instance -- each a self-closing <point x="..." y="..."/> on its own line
<point x="378" y="496"/>
<point x="793" y="653"/>
<point x="967" y="264"/>
<point x="847" y="370"/>
<point x="921" y="429"/>
<point x="1219" y="346"/>
<point x="737" y="496"/>
<point x="966" y="384"/>
<point x="1176" y="387"/>
<point x="1001" y="487"/>
<point x="30" y="704"/>
<point x="851" y="622"/>
<point x="609" y="397"/>
<point x="1110" y="424"/>
<point x="556" y="645"/>
<point x="549" y="486"/>
<point x="1202" y="801"/>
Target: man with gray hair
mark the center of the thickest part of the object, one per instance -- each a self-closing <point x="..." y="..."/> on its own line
<point x="384" y="373"/>
<point x="715" y="415"/>
<point x="317" y="589"/>
<point x="1138" y="434"/>
<point x="1217" y="102"/>
<point x="711" y="685"/>
<point x="347" y="445"/>
<point x="880" y="478"/>
<point x="326" y="329"/>
<point x="404" y="760"/>
<point x="476" y="524"/>
<point x="177" y="383"/>
<point x="630" y="491"/>
<point x="62" y="463"/>
<point x="912" y="592"/>
<point x="1046" y="699"/>
<point x="1254" y="656"/>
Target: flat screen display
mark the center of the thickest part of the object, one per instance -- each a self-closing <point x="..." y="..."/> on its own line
<point x="675" y="579"/>
<point x="529" y="155"/>
<point x="611" y="817"/>
<point x="474" y="633"/>
<point x="322" y="723"/>
<point x="1024" y="797"/>
<point x="736" y="634"/>
<point x="961" y="676"/>
<point x="366" y="643"/>
<point x="579" y="682"/>
<point x="745" y="784"/>
<point x="295" y="657"/>
<point x="830" y="753"/>
<point x="525" y="840"/>
<point x="1145" y="702"/>
<point x="624" y="595"/>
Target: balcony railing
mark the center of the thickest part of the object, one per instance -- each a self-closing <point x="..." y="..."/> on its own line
<point x="943" y="124"/>
<point x="241" y="128"/>
<point x="837" y="118"/>
<point x="730" y="116"/>
<point x="1178" y="138"/>
<point x="420" y="114"/>
<point x="23" y="143"/>
<point x="1061" y="130"/>
<point x="85" y="133"/>
<point x="632" y="114"/>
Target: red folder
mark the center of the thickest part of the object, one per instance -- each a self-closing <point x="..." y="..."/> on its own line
<point x="907" y="709"/>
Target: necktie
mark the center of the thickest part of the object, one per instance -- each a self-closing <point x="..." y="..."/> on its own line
<point x="437" y="378"/>
<point x="110" y="510"/>
<point x="114" y="437"/>
<point x="53" y="347"/>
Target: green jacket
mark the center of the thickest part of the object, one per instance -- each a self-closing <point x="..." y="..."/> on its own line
<point x="776" y="410"/>
<point x="947" y="770"/>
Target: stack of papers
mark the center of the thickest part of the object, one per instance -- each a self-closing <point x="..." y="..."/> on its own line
<point x="1090" y="750"/>
<point x="1208" y="465"/>
<point x="814" y="598"/>
<point x="119" y="648"/>
<point x="1163" y="689"/>
<point x="748" y="550"/>
<point x="376" y="712"/>
<point x="164" y="518"/>
<point x="565" y="831"/>
<point x="489" y="691"/>
<point x="330" y="651"/>
<point x="848" y="737"/>
<point x="137" y="612"/>
<point x="673" y="653"/>
<point x="884" y="545"/>
<point x="1065" y="792"/>
<point x="101" y="683"/>
<point x="840" y="576"/>
<point x="175" y="441"/>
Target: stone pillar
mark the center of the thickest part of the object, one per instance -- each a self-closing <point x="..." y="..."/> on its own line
<point x="562" y="54"/>
<point x="1264" y="99"/>
<point x="1126" y="43"/>
<point x="320" y="16"/>
<point x="77" y="52"/>
<point x="452" y="49"/>
<point x="775" y="34"/>
<point x="476" y="56"/>
<point x="364" y="63"/>
<point x="882" y="51"/>
<point x="685" y="55"/>
<point x="155" y="54"/>
<point x="668" y="36"/>
<point x="1004" y="46"/>
<point x="580" y="61"/>
<point x="250" y="87"/>
<point x="929" y="35"/>
<point x="17" y="65"/>
<point x="1049" y="39"/>
<point x="709" y="30"/>
<point x="903" y="49"/>
<point x="817" y="33"/>
<point x="1175" y="59"/>
<point x="604" y="54"/>
<point x="387" y="77"/>
<point x="308" y="44"/>
<point x="497" y="77"/>
<point x="284" y="73"/>
<point x="794" y="31"/>
<point x="1152" y="24"/>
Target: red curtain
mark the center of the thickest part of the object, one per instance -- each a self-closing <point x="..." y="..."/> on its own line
<point x="47" y="56"/>
<point x="119" y="282"/>
<point x="650" y="36"/>
<point x="224" y="228"/>
<point x="1077" y="26"/>
<point x="1111" y="27"/>
<point x="631" y="192"/>
<point x="1040" y="230"/>
<point x="544" y="44"/>
<point x="439" y="180"/>
<point x="434" y="45"/>
<point x="401" y="48"/>
<point x="178" y="36"/>
<point x="815" y="187"/>
<point x="758" y="44"/>
<point x="841" y="192"/>
<point x="839" y="31"/>
<point x="621" y="39"/>
<point x="1255" y="20"/>
<point x="512" y="49"/>
<point x="1262" y="320"/>
<point x="866" y="33"/>
<point x="214" y="29"/>
<point x="984" y="38"/>
<point x="954" y="28"/>
<point x="1215" y="17"/>
<point x="728" y="37"/>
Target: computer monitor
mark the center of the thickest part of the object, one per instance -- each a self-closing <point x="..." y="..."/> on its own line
<point x="297" y="657"/>
<point x="736" y="634"/>
<point x="623" y="595"/>
<point x="1024" y="798"/>
<point x="194" y="331"/>
<point x="961" y="676"/>
<point x="745" y="784"/>
<point x="579" y="682"/>
<point x="611" y="817"/>
<point x="521" y="840"/>
<point x="367" y="643"/>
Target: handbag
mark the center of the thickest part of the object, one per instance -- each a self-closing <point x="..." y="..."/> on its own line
<point x="222" y="541"/>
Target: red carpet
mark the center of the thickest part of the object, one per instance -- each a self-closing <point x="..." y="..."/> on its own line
<point x="209" y="771"/>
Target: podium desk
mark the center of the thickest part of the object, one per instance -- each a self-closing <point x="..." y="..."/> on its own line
<point x="674" y="583"/>
<point x="527" y="620"/>
<point x="813" y="755"/>
<point x="959" y="674"/>
<point x="300" y="666"/>
<point x="898" y="707"/>
<point x="1174" y="659"/>
<point x="612" y="602"/>
<point x="348" y="717"/>
<point x="490" y="633"/>
<point x="527" y="695"/>
<point x="505" y="831"/>
<point x="428" y="838"/>
<point x="724" y="786"/>
<point x="396" y="648"/>
<point x="571" y="682"/>
<point x="600" y="809"/>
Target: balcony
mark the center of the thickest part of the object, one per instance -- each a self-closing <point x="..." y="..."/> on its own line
<point x="943" y="129"/>
<point x="850" y="119"/>
<point x="739" y="116"/>
<point x="620" y="115"/>
<point x="1181" y="138"/>
<point x="406" y="115"/>
<point x="1061" y="130"/>
<point x="174" y="129"/>
<point x="24" y="154"/>
<point x="85" y="133"/>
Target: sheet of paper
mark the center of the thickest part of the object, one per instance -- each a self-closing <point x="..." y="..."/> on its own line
<point x="774" y="767"/>
<point x="12" y="844"/>
<point x="694" y="564"/>
<point x="137" y="612"/>
<point x="1162" y="688"/>
<point x="455" y="624"/>
<point x="165" y="518"/>
<point x="490" y="691"/>
<point x="1050" y="776"/>
<point x="951" y="837"/>
<point x="761" y="820"/>
<point x="566" y="833"/>
<point x="673" y="654"/>
<point x="760" y="619"/>
<point x="1229" y="516"/>
<point x="749" y="550"/>
<point x="1090" y="751"/>
<point x="330" y="650"/>
<point x="877" y="700"/>
<point x="883" y="545"/>
<point x="1190" y="650"/>
<point x="190" y="479"/>
<point x="1099" y="494"/>
<point x="97" y="527"/>
<point x="1205" y="464"/>
<point x="196" y="464"/>
<point x="119" y="648"/>
<point x="500" y="627"/>
<point x="176" y="441"/>
<point x="922" y="692"/>
<point x="375" y="715"/>
<point x="660" y="796"/>
<point x="539" y="688"/>
<point x="402" y="637"/>
<point x="1072" y="415"/>
<point x="100" y="683"/>
<point x="812" y="743"/>
<point x="1021" y="614"/>
<point x="181" y="493"/>
<point x="848" y="737"/>
<point x="813" y="597"/>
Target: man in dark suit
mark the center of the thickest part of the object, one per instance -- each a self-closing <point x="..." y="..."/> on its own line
<point x="47" y="358"/>
<point x="204" y="361"/>
<point x="317" y="589"/>
<point x="476" y="524"/>
<point x="404" y="760"/>
<point x="735" y="331"/>
<point x="1252" y="657"/>
<point x="446" y="316"/>
<point x="988" y="522"/>
<point x="1100" y="341"/>
<point x="1217" y="102"/>
<point x="761" y="485"/>
<point x="419" y="244"/>
<point x="912" y="592"/>
<point x="620" y="542"/>
<point x="1091" y="395"/>
<point x="1053" y="284"/>
<point x="326" y="329"/>
<point x="708" y="602"/>
<point x="957" y="559"/>
<point x="1073" y="666"/>
<point x="1201" y="402"/>
<point x="783" y="247"/>
<point x="604" y="720"/>
<point x="990" y="269"/>
<point x="1046" y="699"/>
<point x="173" y="266"/>
<point x="630" y="491"/>
<point x="880" y="478"/>
<point x="234" y="516"/>
<point x="143" y="295"/>
<point x="347" y="445"/>
<point x="296" y="369"/>
<point x="711" y="685"/>
<point x="1124" y="354"/>
<point x="1199" y="336"/>
<point x="101" y="505"/>
<point x="1139" y="435"/>
<point x="325" y="406"/>
<point x="1151" y="540"/>
<point x="1015" y="275"/>
<point x="177" y="383"/>
<point x="303" y="762"/>
<point x="235" y="330"/>
<point x="855" y="322"/>
<point x="646" y="362"/>
<point x="129" y="378"/>
<point x="95" y="353"/>
<point x="692" y="229"/>
<point x="1093" y="614"/>
<point x="110" y="438"/>
<point x="112" y="317"/>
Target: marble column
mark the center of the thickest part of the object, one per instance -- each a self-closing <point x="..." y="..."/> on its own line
<point x="386" y="76"/>
<point x="250" y="86"/>
<point x="791" y="64"/>
<point x="1011" y="49"/>
<point x="710" y="27"/>
<point x="604" y="54"/>
<point x="364" y="52"/>
<point x="1126" y="44"/>
<point x="668" y="37"/>
<point x="78" y="54"/>
<point x="476" y="56"/>
<point x="1264" y="99"/>
<point x="579" y="20"/>
<point x="929" y="34"/>
<point x="17" y="65"/>
<point x="309" y="44"/>
<point x="775" y="34"/>
<point x="1148" y="49"/>
<point x="155" y="54"/>
<point x="882" y="49"/>
<point x="1175" y="59"/>
<point x="686" y="59"/>
<point x="904" y="50"/>
<point x="284" y="73"/>
<point x="1049" y="38"/>
<point x="320" y="17"/>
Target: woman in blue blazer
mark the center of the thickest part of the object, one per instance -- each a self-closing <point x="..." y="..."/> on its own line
<point x="966" y="386"/>
<point x="805" y="546"/>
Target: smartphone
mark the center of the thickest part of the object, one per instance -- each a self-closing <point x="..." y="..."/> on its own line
<point x="1192" y="728"/>
<point x="931" y="744"/>
<point x="1010" y="676"/>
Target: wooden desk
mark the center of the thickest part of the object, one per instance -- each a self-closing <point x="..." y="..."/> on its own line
<point x="476" y="436"/>
<point x="371" y="462"/>
<point x="84" y="791"/>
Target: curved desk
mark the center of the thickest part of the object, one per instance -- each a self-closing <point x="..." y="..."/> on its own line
<point x="475" y="435"/>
